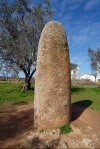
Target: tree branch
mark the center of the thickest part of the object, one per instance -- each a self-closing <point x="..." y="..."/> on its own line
<point x="32" y="73"/>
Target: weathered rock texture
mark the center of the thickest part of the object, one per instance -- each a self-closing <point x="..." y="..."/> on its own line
<point x="52" y="103"/>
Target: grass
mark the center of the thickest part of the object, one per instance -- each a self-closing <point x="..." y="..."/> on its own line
<point x="42" y="131"/>
<point x="84" y="96"/>
<point x="12" y="94"/>
<point x="65" y="129"/>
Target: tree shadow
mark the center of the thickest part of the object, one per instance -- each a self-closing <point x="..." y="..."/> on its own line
<point x="32" y="88"/>
<point x="79" y="107"/>
<point x="12" y="124"/>
<point x="77" y="89"/>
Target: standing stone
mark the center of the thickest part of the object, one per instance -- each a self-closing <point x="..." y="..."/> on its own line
<point x="52" y="102"/>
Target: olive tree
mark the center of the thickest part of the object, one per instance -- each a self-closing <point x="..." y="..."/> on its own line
<point x="21" y="23"/>
<point x="94" y="58"/>
<point x="73" y="66"/>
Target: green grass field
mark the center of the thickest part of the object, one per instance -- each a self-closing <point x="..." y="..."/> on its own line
<point x="84" y="96"/>
<point x="12" y="94"/>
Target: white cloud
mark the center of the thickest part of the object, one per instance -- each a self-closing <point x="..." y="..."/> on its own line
<point x="79" y="59"/>
<point x="65" y="19"/>
<point x="74" y="7"/>
<point x="63" y="5"/>
<point x="59" y="15"/>
<point x="73" y="1"/>
<point x="83" y="28"/>
<point x="80" y="38"/>
<point x="82" y="62"/>
<point x="91" y="4"/>
<point x="86" y="36"/>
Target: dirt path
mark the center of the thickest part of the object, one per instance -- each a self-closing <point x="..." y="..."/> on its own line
<point x="16" y="129"/>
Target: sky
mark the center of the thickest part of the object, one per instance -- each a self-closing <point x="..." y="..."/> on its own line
<point x="81" y="21"/>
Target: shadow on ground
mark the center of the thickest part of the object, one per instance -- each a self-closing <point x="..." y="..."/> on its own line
<point x="79" y="107"/>
<point x="77" y="89"/>
<point x="13" y="123"/>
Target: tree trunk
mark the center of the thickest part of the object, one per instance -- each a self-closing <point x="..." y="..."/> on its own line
<point x="18" y="78"/>
<point x="27" y="84"/>
<point x="7" y="77"/>
<point x="95" y="79"/>
<point x="28" y="77"/>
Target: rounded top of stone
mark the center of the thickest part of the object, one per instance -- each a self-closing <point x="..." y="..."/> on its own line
<point x="52" y="37"/>
<point x="53" y="24"/>
<point x="53" y="29"/>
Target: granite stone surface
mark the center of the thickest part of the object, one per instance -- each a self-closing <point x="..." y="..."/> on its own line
<point x="52" y="101"/>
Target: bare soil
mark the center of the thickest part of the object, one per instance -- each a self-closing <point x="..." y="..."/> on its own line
<point x="17" y="131"/>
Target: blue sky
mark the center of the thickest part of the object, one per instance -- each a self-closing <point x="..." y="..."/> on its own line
<point x="81" y="20"/>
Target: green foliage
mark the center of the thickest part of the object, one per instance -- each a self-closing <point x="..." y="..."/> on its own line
<point x="42" y="131"/>
<point x="65" y="129"/>
<point x="21" y="24"/>
<point x="73" y="66"/>
<point x="12" y="94"/>
<point x="94" y="58"/>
